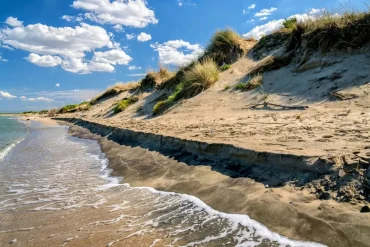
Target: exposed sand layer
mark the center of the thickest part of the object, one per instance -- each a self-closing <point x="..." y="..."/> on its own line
<point x="287" y="210"/>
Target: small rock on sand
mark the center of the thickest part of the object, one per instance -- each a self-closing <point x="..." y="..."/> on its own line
<point x="365" y="209"/>
<point x="13" y="241"/>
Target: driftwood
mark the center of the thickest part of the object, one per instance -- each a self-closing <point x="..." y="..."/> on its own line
<point x="284" y="107"/>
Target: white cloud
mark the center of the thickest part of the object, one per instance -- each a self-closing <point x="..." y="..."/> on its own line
<point x="118" y="28"/>
<point x="3" y="59"/>
<point x="36" y="99"/>
<point x="133" y="13"/>
<point x="57" y="85"/>
<point x="11" y="21"/>
<point x="265" y="29"/>
<point x="134" y="67"/>
<point x="6" y="95"/>
<point x="136" y="75"/>
<point x="252" y="6"/>
<point x="130" y="36"/>
<point x="44" y="61"/>
<point x="265" y="12"/>
<point x="70" y="18"/>
<point x="112" y="57"/>
<point x="170" y="53"/>
<point x="142" y="37"/>
<point x="66" y="46"/>
<point x="275" y="25"/>
<point x="263" y="18"/>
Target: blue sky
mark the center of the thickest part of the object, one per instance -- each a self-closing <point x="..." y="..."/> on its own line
<point x="56" y="52"/>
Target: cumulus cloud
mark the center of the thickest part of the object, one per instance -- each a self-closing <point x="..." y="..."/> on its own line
<point x="112" y="57"/>
<point x="274" y="25"/>
<point x="265" y="29"/>
<point x="133" y="13"/>
<point x="142" y="37"/>
<point x="66" y="46"/>
<point x="6" y="95"/>
<point x="130" y="36"/>
<point x="44" y="61"/>
<point x="265" y="12"/>
<point x="134" y="67"/>
<point x="170" y="53"/>
<point x="11" y="21"/>
<point x="118" y="28"/>
<point x="57" y="85"/>
<point x="263" y="18"/>
<point x="252" y="6"/>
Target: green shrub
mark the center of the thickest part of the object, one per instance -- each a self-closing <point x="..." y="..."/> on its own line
<point x="225" y="67"/>
<point x="123" y="104"/>
<point x="290" y="23"/>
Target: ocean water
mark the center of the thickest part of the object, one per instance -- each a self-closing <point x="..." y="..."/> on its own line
<point x="11" y="132"/>
<point x="56" y="190"/>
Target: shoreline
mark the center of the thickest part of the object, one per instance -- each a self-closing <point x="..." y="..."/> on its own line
<point x="286" y="210"/>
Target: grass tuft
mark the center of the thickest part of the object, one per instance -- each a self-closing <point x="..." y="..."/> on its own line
<point x="254" y="82"/>
<point x="290" y="23"/>
<point x="115" y="90"/>
<point x="226" y="46"/>
<point x="225" y="67"/>
<point x="200" y="77"/>
<point x="123" y="104"/>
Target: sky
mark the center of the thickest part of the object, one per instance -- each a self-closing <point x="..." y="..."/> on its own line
<point x="58" y="52"/>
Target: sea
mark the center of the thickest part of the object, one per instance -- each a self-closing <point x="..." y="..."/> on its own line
<point x="56" y="190"/>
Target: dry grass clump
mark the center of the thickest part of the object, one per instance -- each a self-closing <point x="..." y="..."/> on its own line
<point x="154" y="79"/>
<point x="254" y="82"/>
<point x="84" y="106"/>
<point x="195" y="79"/>
<point x="51" y="112"/>
<point x="115" y="90"/>
<point x="123" y="104"/>
<point x="200" y="77"/>
<point x="226" y="46"/>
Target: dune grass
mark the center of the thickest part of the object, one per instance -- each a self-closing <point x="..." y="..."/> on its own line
<point x="123" y="104"/>
<point x="194" y="80"/>
<point x="252" y="83"/>
<point x="84" y="106"/>
<point x="115" y="90"/>
<point x="223" y="44"/>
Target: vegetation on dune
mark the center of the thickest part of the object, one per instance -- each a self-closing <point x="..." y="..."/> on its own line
<point x="154" y="79"/>
<point x="123" y="104"/>
<point x="252" y="83"/>
<point x="290" y="23"/>
<point x="225" y="67"/>
<point x="300" y="39"/>
<point x="115" y="90"/>
<point x="226" y="46"/>
<point x="84" y="106"/>
<point x="194" y="80"/>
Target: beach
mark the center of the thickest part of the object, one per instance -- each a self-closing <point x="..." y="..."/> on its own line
<point x="72" y="192"/>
